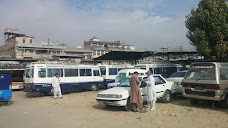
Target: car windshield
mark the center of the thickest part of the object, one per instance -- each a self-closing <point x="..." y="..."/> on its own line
<point x="201" y="73"/>
<point x="125" y="82"/>
<point x="179" y="74"/>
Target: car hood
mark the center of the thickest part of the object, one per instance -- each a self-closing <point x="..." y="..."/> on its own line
<point x="116" y="90"/>
<point x="116" y="83"/>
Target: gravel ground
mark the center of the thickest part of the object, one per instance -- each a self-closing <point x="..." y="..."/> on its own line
<point x="80" y="110"/>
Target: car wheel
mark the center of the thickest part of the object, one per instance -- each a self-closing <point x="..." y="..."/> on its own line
<point x="224" y="103"/>
<point x="166" y="97"/>
<point x="94" y="87"/>
<point x="128" y="106"/>
<point x="193" y="101"/>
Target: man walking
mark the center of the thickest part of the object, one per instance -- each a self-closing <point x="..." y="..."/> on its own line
<point x="151" y="92"/>
<point x="56" y="86"/>
<point x="135" y="94"/>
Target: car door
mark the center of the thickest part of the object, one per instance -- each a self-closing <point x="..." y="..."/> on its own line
<point x="143" y="88"/>
<point x="159" y="86"/>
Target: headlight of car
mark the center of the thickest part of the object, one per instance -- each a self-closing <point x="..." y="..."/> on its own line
<point x="117" y="96"/>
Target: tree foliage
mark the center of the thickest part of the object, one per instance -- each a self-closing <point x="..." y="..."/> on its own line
<point x="208" y="28"/>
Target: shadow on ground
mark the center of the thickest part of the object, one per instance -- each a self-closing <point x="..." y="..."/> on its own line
<point x="182" y="101"/>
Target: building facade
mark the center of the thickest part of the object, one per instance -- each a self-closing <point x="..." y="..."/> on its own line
<point x="21" y="46"/>
<point x="100" y="48"/>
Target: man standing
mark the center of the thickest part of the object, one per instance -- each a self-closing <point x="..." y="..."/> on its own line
<point x="135" y="94"/>
<point x="56" y="86"/>
<point x="151" y="92"/>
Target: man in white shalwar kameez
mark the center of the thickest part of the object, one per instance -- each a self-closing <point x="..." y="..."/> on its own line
<point x="56" y="86"/>
<point x="151" y="92"/>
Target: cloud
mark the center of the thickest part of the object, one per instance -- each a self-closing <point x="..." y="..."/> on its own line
<point x="72" y="22"/>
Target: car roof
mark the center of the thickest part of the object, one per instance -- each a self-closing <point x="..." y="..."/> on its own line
<point x="144" y="75"/>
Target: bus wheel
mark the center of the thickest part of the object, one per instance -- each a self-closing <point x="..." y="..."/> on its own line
<point x="193" y="101"/>
<point x="224" y="103"/>
<point x="94" y="87"/>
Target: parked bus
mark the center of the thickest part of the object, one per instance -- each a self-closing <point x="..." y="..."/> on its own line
<point x="166" y="69"/>
<point x="73" y="77"/>
<point x="109" y="72"/>
<point x="207" y="81"/>
<point x="17" y="76"/>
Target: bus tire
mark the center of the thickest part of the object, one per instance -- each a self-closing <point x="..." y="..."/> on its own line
<point x="94" y="87"/>
<point x="128" y="105"/>
<point x="166" y="97"/>
<point x="193" y="101"/>
<point x="224" y="103"/>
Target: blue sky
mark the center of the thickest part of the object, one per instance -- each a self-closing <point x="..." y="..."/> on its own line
<point x="148" y="24"/>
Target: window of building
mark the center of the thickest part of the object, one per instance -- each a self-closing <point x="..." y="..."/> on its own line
<point x="96" y="73"/>
<point x="23" y="40"/>
<point x="85" y="72"/>
<point x="30" y="41"/>
<point x="71" y="72"/>
<point x="52" y="71"/>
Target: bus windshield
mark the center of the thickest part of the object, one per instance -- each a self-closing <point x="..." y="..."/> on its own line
<point x="29" y="73"/>
<point x="201" y="72"/>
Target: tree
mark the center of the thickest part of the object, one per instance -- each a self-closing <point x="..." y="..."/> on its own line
<point x="208" y="28"/>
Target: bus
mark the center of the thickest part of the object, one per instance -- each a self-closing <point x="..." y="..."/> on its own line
<point x="73" y="77"/>
<point x="166" y="69"/>
<point x="109" y="72"/>
<point x="17" y="76"/>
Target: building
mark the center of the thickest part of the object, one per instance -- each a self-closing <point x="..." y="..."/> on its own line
<point x="100" y="48"/>
<point x="21" y="46"/>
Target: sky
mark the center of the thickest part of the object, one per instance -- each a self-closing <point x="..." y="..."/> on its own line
<point x="147" y="24"/>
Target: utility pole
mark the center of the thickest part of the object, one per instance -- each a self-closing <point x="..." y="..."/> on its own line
<point x="48" y="49"/>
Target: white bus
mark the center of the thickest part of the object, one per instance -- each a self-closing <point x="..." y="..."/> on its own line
<point x="73" y="77"/>
<point x="166" y="69"/>
<point x="109" y="72"/>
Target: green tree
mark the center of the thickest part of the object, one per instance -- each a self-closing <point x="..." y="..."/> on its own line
<point x="208" y="28"/>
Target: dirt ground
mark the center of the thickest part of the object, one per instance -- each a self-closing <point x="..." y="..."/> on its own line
<point x="80" y="110"/>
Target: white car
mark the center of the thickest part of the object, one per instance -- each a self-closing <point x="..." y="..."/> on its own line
<point x="177" y="78"/>
<point x="120" y="95"/>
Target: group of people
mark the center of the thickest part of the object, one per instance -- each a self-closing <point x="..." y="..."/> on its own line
<point x="135" y="94"/>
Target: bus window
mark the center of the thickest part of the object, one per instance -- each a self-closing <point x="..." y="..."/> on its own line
<point x="42" y="73"/>
<point x="103" y="71"/>
<point x="113" y="71"/>
<point x="157" y="70"/>
<point x="85" y="72"/>
<point x="71" y="72"/>
<point x="29" y="73"/>
<point x="151" y="70"/>
<point x="168" y="71"/>
<point x="96" y="73"/>
<point x="51" y="72"/>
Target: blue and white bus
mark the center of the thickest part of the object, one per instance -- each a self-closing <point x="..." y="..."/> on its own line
<point x="109" y="72"/>
<point x="73" y="77"/>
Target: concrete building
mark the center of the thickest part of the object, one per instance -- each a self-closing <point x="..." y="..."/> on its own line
<point x="21" y="46"/>
<point x="100" y="48"/>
